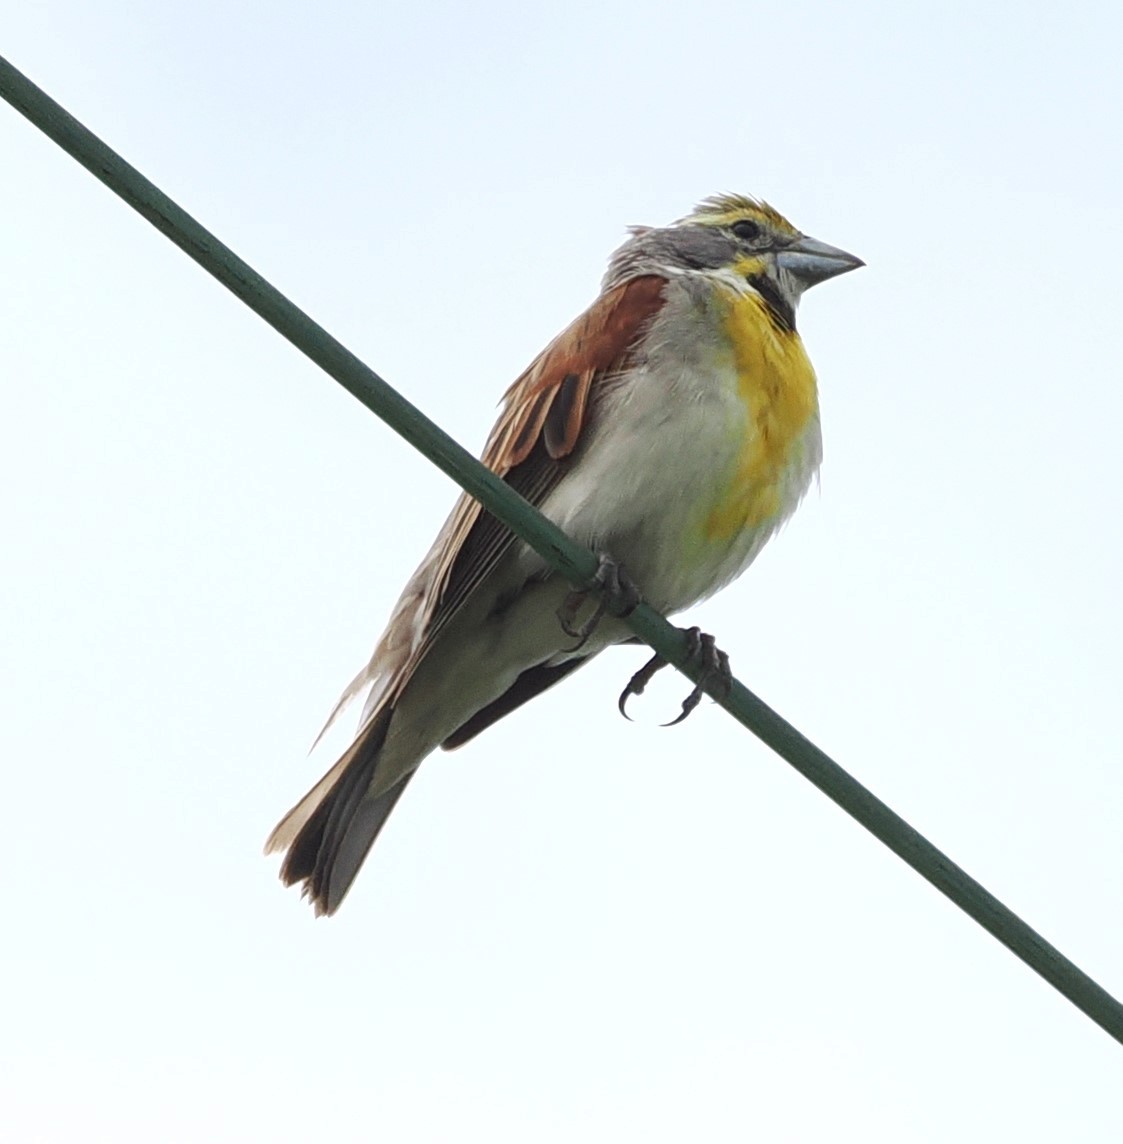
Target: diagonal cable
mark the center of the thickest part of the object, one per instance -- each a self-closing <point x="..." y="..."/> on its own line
<point x="575" y="563"/>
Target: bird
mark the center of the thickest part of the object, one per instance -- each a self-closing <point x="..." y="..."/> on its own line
<point x="672" y="428"/>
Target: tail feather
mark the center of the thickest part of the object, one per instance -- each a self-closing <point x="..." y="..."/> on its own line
<point x="330" y="831"/>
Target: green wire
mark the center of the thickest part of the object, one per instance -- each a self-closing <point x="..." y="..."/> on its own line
<point x="576" y="564"/>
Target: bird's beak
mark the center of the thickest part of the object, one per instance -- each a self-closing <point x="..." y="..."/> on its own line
<point x="810" y="261"/>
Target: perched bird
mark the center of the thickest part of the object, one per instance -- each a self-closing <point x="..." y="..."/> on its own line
<point x="672" y="427"/>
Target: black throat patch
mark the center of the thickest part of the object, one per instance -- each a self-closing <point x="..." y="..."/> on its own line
<point x="780" y="309"/>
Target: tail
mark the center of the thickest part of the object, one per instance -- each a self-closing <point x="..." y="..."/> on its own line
<point x="330" y="831"/>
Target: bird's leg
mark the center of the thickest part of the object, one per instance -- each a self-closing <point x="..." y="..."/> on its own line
<point x="712" y="661"/>
<point x="619" y="596"/>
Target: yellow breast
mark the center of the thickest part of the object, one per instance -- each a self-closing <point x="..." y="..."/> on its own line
<point x="776" y="384"/>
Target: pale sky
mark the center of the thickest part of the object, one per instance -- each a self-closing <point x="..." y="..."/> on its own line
<point x="575" y="928"/>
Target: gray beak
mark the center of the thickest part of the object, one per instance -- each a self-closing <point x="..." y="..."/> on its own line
<point x="810" y="261"/>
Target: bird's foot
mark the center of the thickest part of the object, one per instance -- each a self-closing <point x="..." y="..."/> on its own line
<point x="619" y="596"/>
<point x="712" y="661"/>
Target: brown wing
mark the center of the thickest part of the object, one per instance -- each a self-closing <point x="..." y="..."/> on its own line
<point x="539" y="426"/>
<point x="543" y="414"/>
<point x="551" y="396"/>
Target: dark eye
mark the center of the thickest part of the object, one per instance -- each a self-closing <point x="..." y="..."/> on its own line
<point x="747" y="230"/>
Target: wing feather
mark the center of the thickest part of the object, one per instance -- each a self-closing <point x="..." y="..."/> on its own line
<point x="543" y="415"/>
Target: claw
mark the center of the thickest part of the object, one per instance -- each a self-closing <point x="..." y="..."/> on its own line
<point x="711" y="659"/>
<point x="638" y="682"/>
<point x="619" y="597"/>
<point x="715" y="665"/>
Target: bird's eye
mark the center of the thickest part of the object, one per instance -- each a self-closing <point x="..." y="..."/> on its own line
<point x="747" y="230"/>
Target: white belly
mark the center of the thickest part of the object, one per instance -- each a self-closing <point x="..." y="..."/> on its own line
<point x="657" y="463"/>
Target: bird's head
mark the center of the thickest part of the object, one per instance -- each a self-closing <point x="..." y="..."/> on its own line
<point x="742" y="237"/>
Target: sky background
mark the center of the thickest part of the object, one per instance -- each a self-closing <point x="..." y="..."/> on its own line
<point x="575" y="928"/>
